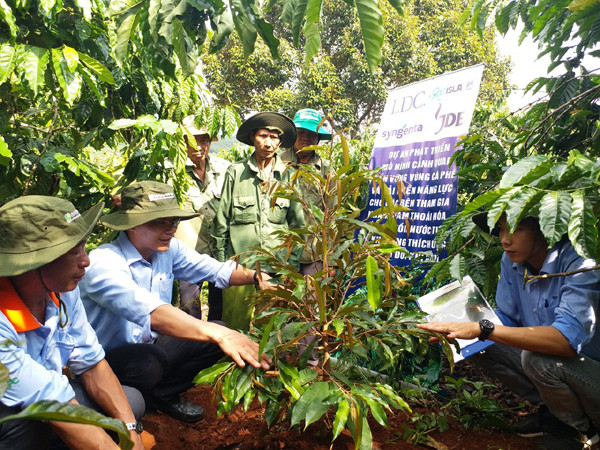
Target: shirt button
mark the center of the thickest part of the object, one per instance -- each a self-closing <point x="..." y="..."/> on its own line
<point x="534" y="309"/>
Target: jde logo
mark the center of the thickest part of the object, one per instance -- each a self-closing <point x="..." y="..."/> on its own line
<point x="448" y="119"/>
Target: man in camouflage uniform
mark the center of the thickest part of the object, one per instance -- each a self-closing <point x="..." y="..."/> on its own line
<point x="208" y="174"/>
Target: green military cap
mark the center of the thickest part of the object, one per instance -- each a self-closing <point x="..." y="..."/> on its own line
<point x="37" y="229"/>
<point x="142" y="202"/>
<point x="310" y="119"/>
<point x="271" y="121"/>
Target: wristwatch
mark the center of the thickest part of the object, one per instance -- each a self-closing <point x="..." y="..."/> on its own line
<point x="256" y="280"/>
<point x="487" y="327"/>
<point x="137" y="426"/>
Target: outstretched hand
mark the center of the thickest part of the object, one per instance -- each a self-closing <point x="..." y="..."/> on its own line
<point x="241" y="349"/>
<point x="264" y="283"/>
<point x="452" y="330"/>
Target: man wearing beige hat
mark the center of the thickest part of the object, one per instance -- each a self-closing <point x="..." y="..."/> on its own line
<point x="204" y="194"/>
<point x="43" y="327"/>
<point x="127" y="292"/>
<point x="249" y="215"/>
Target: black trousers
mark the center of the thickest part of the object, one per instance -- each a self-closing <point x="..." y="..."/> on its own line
<point x="189" y="294"/>
<point x="163" y="370"/>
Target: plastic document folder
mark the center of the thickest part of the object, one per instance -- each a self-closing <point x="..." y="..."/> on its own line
<point x="459" y="302"/>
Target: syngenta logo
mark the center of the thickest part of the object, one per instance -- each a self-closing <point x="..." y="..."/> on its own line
<point x="12" y="381"/>
<point x="399" y="133"/>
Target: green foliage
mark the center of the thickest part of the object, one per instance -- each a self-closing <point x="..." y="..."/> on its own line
<point x="563" y="194"/>
<point x="466" y="401"/>
<point x="542" y="161"/>
<point x="426" y="40"/>
<point x="319" y="309"/>
<point x="472" y="406"/>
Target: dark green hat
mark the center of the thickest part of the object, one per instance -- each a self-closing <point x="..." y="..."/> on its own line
<point x="309" y="119"/>
<point x="37" y="229"/>
<point x="142" y="202"/>
<point x="270" y="121"/>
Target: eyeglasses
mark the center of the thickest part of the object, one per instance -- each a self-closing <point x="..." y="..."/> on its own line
<point x="165" y="223"/>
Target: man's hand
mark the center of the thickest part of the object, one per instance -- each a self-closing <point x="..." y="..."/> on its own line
<point x="452" y="330"/>
<point x="241" y="348"/>
<point x="264" y="283"/>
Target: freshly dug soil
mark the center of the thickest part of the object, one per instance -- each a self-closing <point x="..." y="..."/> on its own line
<point x="247" y="430"/>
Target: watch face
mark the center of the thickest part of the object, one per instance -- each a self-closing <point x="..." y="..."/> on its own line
<point x="139" y="427"/>
<point x="486" y="324"/>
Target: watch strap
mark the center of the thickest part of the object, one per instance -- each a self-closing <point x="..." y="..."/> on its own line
<point x="137" y="426"/>
<point x="486" y="328"/>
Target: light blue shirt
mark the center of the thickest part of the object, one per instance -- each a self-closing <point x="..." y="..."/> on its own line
<point x="569" y="304"/>
<point x="35" y="358"/>
<point x="121" y="289"/>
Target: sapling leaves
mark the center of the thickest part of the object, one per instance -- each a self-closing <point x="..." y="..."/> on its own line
<point x="341" y="416"/>
<point x="311" y="405"/>
<point x="210" y="374"/>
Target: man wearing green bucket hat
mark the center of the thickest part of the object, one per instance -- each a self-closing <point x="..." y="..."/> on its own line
<point x="249" y="215"/>
<point x="44" y="328"/>
<point x="310" y="130"/>
<point x="127" y="292"/>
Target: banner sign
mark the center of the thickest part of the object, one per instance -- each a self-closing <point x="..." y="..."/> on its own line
<point x="417" y="136"/>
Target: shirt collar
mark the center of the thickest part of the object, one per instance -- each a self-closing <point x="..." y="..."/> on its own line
<point x="130" y="253"/>
<point x="550" y="262"/>
<point x="315" y="159"/>
<point x="15" y="310"/>
<point x="278" y="165"/>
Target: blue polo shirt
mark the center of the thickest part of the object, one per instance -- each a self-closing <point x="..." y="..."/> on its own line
<point x="121" y="289"/>
<point x="36" y="353"/>
<point x="570" y="304"/>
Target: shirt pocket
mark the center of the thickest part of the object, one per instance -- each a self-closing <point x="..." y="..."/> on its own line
<point x="63" y="349"/>
<point x="162" y="283"/>
<point x="278" y="213"/>
<point x="244" y="210"/>
<point x="548" y="304"/>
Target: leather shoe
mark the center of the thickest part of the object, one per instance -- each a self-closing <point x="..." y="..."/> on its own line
<point x="183" y="410"/>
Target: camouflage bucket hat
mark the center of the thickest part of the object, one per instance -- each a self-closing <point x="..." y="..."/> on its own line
<point x="142" y="202"/>
<point x="309" y="119"/>
<point x="37" y="229"/>
<point x="270" y="121"/>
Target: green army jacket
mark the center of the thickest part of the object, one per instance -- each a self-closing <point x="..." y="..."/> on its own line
<point x="245" y="218"/>
<point x="204" y="199"/>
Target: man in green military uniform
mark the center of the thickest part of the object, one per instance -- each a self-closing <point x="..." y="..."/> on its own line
<point x="246" y="217"/>
<point x="309" y="132"/>
<point x="208" y="174"/>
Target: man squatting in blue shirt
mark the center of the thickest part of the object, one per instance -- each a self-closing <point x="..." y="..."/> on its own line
<point x="548" y="349"/>
<point x="127" y="292"/>
<point x="43" y="328"/>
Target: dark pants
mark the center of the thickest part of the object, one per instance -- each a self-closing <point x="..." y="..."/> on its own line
<point x="163" y="370"/>
<point x="35" y="434"/>
<point x="189" y="300"/>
